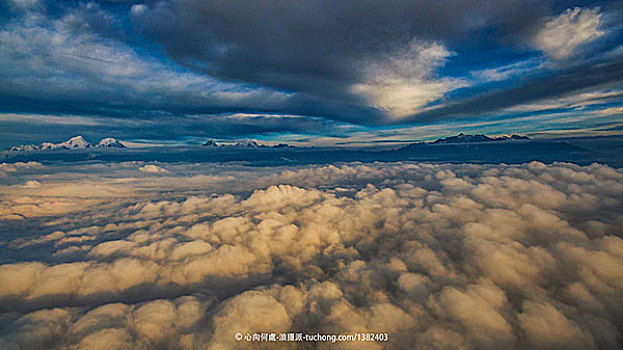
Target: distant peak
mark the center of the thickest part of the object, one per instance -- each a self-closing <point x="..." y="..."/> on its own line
<point x="467" y="138"/>
<point x="210" y="143"/>
<point x="248" y="143"/>
<point x="245" y="144"/>
<point x="76" y="142"/>
<point x="110" y="142"/>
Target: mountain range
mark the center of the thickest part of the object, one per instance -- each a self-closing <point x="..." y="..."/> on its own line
<point x="582" y="151"/>
<point x="467" y="138"/>
<point x="246" y="144"/>
<point x="77" y="142"/>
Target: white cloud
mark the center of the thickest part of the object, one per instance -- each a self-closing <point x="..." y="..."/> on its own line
<point x="478" y="308"/>
<point x="138" y="9"/>
<point x="403" y="83"/>
<point x="560" y="36"/>
<point x="70" y="55"/>
<point x="32" y="184"/>
<point x="17" y="168"/>
<point x="611" y="111"/>
<point x="439" y="256"/>
<point x="547" y="328"/>
<point x="153" y="169"/>
<point x="507" y="71"/>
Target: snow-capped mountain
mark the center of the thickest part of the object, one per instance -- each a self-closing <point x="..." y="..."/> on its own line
<point x="248" y="143"/>
<point x="245" y="144"/>
<point x="23" y="148"/>
<point x="467" y="138"/>
<point x="77" y="142"/>
<point x="46" y="146"/>
<point x="74" y="142"/>
<point x="109" y="142"/>
<point x="512" y="137"/>
<point x="210" y="143"/>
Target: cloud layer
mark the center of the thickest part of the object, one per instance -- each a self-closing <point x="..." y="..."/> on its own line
<point x="560" y="36"/>
<point x="439" y="256"/>
<point x="169" y="69"/>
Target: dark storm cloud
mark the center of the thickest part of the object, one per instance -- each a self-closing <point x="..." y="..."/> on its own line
<point x="317" y="47"/>
<point x="79" y="60"/>
<point x="361" y="62"/>
<point x="127" y="105"/>
<point x="322" y="48"/>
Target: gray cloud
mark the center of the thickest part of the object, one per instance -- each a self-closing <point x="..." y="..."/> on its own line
<point x="310" y="47"/>
<point x="565" y="82"/>
<point x="80" y="61"/>
<point x="359" y="62"/>
<point x="334" y="51"/>
<point x="437" y="255"/>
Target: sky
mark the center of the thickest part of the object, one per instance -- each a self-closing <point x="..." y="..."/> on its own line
<point x="308" y="73"/>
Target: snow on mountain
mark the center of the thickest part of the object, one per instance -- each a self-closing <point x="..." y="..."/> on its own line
<point x="74" y="142"/>
<point x="109" y="142"/>
<point x="467" y="138"/>
<point x="23" y="148"/>
<point x="77" y="142"/>
<point x="282" y="145"/>
<point x="244" y="144"/>
<point x="248" y="143"/>
<point x="46" y="146"/>
<point x="210" y="143"/>
<point x="464" y="138"/>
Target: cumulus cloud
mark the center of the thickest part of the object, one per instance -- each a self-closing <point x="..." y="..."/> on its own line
<point x="16" y="168"/>
<point x="151" y="168"/>
<point x="561" y="35"/>
<point x="439" y="256"/>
